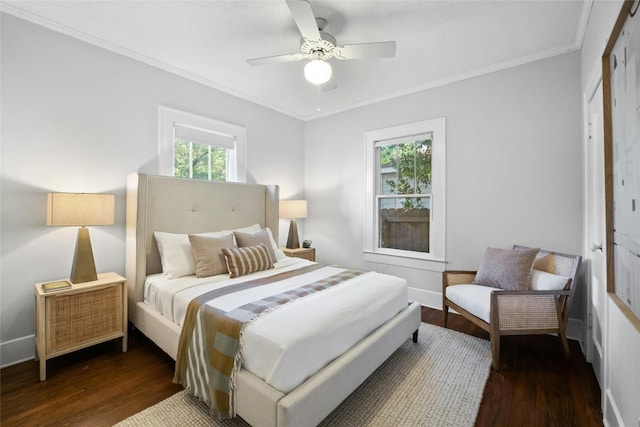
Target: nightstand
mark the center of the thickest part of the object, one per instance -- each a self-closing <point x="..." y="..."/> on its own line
<point x="306" y="253"/>
<point x="81" y="316"/>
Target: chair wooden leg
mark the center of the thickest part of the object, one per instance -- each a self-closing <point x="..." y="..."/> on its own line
<point x="495" y="350"/>
<point x="445" y="315"/>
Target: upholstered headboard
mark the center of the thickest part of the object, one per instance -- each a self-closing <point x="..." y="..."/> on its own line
<point x="179" y="205"/>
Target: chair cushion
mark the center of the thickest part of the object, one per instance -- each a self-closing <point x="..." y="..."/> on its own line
<point x="506" y="268"/>
<point x="476" y="299"/>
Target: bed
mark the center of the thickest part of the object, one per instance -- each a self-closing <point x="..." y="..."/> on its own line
<point x="175" y="205"/>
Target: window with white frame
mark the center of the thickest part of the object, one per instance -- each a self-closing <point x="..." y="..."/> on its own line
<point x="405" y="184"/>
<point x="198" y="147"/>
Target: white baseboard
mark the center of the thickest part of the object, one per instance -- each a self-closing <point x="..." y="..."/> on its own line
<point x="575" y="331"/>
<point x="611" y="414"/>
<point x="17" y="350"/>
<point x="426" y="298"/>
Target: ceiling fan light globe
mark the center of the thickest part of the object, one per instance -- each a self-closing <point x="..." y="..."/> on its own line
<point x="317" y="71"/>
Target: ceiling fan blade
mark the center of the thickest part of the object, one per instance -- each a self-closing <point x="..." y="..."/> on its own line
<point x="305" y="19"/>
<point x="289" y="57"/>
<point x="365" y="50"/>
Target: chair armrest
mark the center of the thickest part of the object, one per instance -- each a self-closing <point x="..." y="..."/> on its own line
<point x="457" y="277"/>
<point x="528" y="310"/>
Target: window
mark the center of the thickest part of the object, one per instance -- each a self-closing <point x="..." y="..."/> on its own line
<point x="193" y="146"/>
<point x="404" y="193"/>
<point x="405" y="185"/>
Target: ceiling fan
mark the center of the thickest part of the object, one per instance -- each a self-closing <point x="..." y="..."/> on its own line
<point x="319" y="46"/>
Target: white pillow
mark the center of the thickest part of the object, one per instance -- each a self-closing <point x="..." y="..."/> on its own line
<point x="216" y="234"/>
<point x="176" y="255"/>
<point x="279" y="254"/>
<point x="543" y="281"/>
<point x="251" y="229"/>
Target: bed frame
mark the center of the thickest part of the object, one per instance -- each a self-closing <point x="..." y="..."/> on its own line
<point x="159" y="203"/>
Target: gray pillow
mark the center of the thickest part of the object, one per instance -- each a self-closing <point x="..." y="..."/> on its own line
<point x="507" y="269"/>
<point x="207" y="252"/>
<point x="252" y="239"/>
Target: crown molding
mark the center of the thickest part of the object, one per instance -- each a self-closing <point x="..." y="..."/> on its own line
<point x="14" y="10"/>
<point x="456" y="78"/>
<point x="582" y="25"/>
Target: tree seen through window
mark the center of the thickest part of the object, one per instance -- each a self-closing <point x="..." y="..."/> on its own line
<point x="199" y="161"/>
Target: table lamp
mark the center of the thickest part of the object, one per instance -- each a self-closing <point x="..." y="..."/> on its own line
<point x="81" y="209"/>
<point x="293" y="209"/>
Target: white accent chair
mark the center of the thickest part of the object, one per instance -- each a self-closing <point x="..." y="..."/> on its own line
<point x="542" y="309"/>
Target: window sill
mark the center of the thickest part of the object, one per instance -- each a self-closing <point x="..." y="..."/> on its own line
<point x="430" y="264"/>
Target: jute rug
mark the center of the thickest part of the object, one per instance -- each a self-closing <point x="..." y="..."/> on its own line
<point x="437" y="382"/>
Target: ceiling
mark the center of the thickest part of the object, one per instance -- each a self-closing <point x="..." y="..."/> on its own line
<point x="437" y="42"/>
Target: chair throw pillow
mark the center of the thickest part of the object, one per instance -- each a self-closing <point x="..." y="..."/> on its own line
<point x="507" y="269"/>
<point x="241" y="261"/>
<point x="207" y="252"/>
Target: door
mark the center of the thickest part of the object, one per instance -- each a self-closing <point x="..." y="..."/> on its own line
<point x="595" y="222"/>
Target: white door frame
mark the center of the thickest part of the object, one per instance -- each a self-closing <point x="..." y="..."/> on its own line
<point x="588" y="193"/>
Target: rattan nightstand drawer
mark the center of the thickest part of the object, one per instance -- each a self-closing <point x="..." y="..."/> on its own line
<point x="86" y="314"/>
<point x="82" y="318"/>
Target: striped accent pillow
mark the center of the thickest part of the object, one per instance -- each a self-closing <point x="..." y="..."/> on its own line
<point x="241" y="261"/>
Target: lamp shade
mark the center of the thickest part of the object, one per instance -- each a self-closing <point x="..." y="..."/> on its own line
<point x="317" y="71"/>
<point x="80" y="209"/>
<point x="293" y="209"/>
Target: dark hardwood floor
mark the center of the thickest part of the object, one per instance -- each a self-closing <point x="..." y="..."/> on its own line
<point x="535" y="385"/>
<point x="101" y="385"/>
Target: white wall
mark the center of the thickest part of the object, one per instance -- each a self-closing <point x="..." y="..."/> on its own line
<point x="621" y="337"/>
<point x="513" y="168"/>
<point x="79" y="118"/>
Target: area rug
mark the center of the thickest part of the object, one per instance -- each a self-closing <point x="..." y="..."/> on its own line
<point x="437" y="382"/>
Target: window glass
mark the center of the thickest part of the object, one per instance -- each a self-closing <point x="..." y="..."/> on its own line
<point x="404" y="228"/>
<point x="404" y="173"/>
<point x="199" y="161"/>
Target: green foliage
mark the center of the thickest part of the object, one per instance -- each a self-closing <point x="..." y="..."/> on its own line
<point x="218" y="164"/>
<point x="200" y="161"/>
<point x="411" y="162"/>
<point x="181" y="158"/>
<point x="192" y="160"/>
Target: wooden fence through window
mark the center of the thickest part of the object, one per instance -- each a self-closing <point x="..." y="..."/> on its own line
<point x="406" y="229"/>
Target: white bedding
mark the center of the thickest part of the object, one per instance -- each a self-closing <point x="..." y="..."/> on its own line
<point x="327" y="323"/>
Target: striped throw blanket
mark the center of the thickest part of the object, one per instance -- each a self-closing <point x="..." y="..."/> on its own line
<point x="209" y="350"/>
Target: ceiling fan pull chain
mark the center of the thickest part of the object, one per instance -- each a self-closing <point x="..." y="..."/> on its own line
<point x="318" y="98"/>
